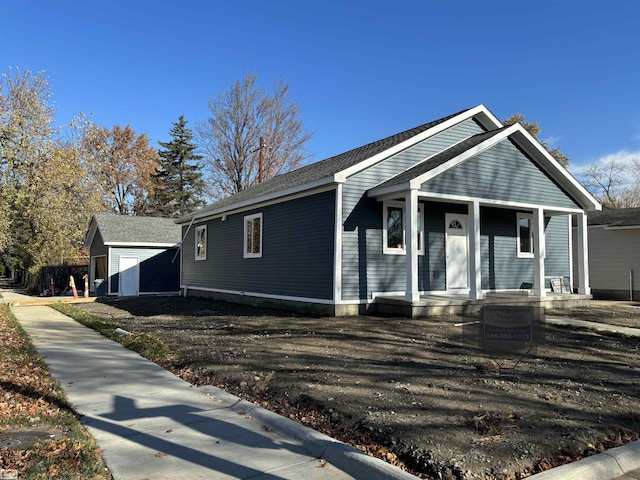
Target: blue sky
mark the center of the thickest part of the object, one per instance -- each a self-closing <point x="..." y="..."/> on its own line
<point x="360" y="70"/>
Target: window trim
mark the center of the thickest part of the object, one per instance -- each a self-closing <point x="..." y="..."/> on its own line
<point x="198" y="230"/>
<point x="524" y="216"/>
<point x="386" y="250"/>
<point x="246" y="219"/>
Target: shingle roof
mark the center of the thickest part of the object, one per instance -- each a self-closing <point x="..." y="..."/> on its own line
<point x="615" y="217"/>
<point x="115" y="229"/>
<point x="320" y="170"/>
<point x="441" y="158"/>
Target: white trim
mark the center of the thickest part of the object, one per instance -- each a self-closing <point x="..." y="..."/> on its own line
<point x="93" y="228"/>
<point x="570" y="238"/>
<point x="501" y="203"/>
<point x="262" y="295"/>
<point x="539" y="249"/>
<point x="337" y="247"/>
<point x="246" y="219"/>
<point x="259" y="202"/>
<point x="518" y="134"/>
<point x="225" y="213"/>
<point x="143" y="244"/>
<point x="411" y="244"/>
<point x="109" y="272"/>
<point x="486" y="116"/>
<point x="473" y="254"/>
<point x="582" y="238"/>
<point x="519" y="252"/>
<point x="557" y="170"/>
<point x="196" y="231"/>
<point x="386" y="250"/>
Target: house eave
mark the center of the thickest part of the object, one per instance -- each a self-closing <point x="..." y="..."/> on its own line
<point x="480" y="113"/>
<point x="142" y="244"/>
<point x="525" y="141"/>
<point x="243" y="205"/>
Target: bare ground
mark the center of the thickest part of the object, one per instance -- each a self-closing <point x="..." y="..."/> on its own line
<point x="420" y="393"/>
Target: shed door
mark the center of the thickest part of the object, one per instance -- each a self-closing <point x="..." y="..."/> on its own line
<point x="457" y="252"/>
<point x="129" y="276"/>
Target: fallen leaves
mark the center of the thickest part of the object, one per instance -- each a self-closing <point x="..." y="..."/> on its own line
<point x="34" y="416"/>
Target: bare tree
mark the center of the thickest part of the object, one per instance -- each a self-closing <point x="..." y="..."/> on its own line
<point x="614" y="180"/>
<point x="230" y="139"/>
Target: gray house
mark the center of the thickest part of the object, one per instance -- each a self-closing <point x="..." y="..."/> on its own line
<point x="614" y="253"/>
<point x="133" y="255"/>
<point x="456" y="212"/>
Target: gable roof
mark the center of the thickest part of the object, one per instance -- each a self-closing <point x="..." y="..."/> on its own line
<point x="128" y="230"/>
<point x="336" y="168"/>
<point x="613" y="218"/>
<point x="454" y="155"/>
<point x="439" y="159"/>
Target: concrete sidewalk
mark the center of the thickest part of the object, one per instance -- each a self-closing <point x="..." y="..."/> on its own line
<point x="151" y="424"/>
<point x="599" y="327"/>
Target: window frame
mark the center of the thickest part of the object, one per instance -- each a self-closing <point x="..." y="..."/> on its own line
<point x="246" y="220"/>
<point x="386" y="250"/>
<point x="529" y="217"/>
<point x="200" y="232"/>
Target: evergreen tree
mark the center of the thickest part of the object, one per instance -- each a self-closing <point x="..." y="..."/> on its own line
<point x="179" y="186"/>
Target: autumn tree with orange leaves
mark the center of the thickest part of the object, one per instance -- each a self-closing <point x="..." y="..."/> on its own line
<point x="120" y="163"/>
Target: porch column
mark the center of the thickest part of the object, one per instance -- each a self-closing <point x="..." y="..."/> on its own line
<point x="538" y="253"/>
<point x="411" y="203"/>
<point x="583" y="255"/>
<point x="475" y="273"/>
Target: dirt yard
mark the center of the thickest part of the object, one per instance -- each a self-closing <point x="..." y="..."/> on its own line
<point x="418" y="392"/>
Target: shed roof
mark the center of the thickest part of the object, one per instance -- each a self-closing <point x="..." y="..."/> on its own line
<point x="128" y="230"/>
<point x="615" y="217"/>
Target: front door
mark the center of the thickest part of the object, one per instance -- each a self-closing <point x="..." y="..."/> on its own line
<point x="129" y="276"/>
<point x="457" y="252"/>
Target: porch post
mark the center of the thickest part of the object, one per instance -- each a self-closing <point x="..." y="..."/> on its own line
<point x="411" y="203"/>
<point x="539" y="253"/>
<point x="583" y="255"/>
<point x="475" y="273"/>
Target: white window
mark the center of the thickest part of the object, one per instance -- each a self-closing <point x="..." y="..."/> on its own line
<point x="201" y="242"/>
<point x="525" y="235"/>
<point x="394" y="226"/>
<point x="253" y="236"/>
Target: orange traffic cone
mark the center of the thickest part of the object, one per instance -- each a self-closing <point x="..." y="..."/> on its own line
<point x="72" y="284"/>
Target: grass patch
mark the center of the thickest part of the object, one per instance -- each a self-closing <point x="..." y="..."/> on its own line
<point x="142" y="343"/>
<point x="42" y="431"/>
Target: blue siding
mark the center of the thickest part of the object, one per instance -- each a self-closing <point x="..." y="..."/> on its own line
<point x="364" y="268"/>
<point x="502" y="172"/>
<point x="157" y="272"/>
<point x="501" y="267"/>
<point x="556" y="263"/>
<point x="297" y="251"/>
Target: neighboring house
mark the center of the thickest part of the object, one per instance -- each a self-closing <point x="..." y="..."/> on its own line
<point x="456" y="208"/>
<point x="614" y="253"/>
<point x="133" y="255"/>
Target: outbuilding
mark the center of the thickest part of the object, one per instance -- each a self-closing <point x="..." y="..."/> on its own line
<point x="132" y="256"/>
